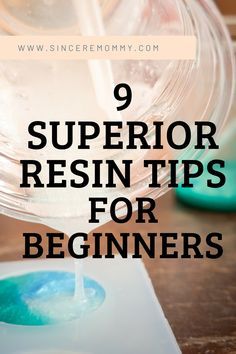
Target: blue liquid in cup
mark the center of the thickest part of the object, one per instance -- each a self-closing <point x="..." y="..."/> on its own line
<point x="46" y="298"/>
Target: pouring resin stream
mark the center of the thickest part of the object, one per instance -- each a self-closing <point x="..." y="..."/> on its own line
<point x="60" y="92"/>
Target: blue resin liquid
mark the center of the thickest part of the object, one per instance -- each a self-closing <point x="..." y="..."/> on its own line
<point x="45" y="298"/>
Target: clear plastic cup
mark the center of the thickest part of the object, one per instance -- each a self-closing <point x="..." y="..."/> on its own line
<point x="162" y="90"/>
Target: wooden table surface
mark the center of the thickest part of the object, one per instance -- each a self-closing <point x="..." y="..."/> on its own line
<point x="198" y="296"/>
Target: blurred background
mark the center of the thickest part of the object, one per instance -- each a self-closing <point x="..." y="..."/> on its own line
<point x="228" y="9"/>
<point x="198" y="296"/>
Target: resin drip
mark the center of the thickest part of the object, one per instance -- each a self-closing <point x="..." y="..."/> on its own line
<point x="91" y="23"/>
